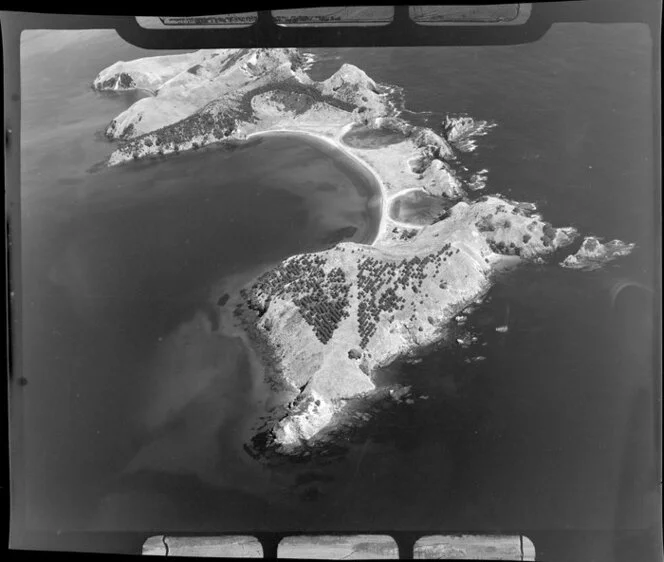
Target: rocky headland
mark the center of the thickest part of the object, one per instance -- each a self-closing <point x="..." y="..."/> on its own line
<point x="594" y="253"/>
<point x="323" y="323"/>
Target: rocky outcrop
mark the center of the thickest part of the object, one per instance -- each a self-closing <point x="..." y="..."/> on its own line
<point x="440" y="180"/>
<point x="593" y="254"/>
<point x="437" y="146"/>
<point x="430" y="162"/>
<point x="462" y="131"/>
<point x="351" y="85"/>
<point x="383" y="301"/>
<point x="392" y="124"/>
<point x="309" y="416"/>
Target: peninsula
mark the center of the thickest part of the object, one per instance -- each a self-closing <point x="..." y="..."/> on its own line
<point x="323" y="323"/>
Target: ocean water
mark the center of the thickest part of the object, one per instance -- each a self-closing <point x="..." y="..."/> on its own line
<point x="126" y="367"/>
<point x="134" y="401"/>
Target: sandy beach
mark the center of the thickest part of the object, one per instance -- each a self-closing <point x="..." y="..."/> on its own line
<point x="335" y="142"/>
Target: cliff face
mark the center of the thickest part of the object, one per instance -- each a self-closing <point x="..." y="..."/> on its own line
<point x="329" y="319"/>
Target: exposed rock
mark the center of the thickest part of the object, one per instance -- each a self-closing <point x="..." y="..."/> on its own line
<point x="593" y="253"/>
<point x="352" y="85"/>
<point x="311" y="415"/>
<point x="478" y="180"/>
<point x="398" y="394"/>
<point x="440" y="148"/>
<point x="393" y="124"/>
<point x="439" y="180"/>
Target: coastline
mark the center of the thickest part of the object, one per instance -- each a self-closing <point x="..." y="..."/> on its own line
<point x="337" y="144"/>
<point x="388" y="196"/>
<point x="322" y="323"/>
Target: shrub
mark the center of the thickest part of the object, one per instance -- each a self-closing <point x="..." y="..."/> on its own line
<point x="485" y="224"/>
<point x="126" y="81"/>
<point x="129" y="129"/>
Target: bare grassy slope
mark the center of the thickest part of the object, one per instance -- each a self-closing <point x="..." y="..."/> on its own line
<point x="328" y="320"/>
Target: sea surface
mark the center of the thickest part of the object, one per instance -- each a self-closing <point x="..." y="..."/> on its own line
<point x="134" y="400"/>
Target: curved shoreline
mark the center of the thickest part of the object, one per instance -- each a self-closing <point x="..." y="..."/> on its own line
<point x="418" y="207"/>
<point x="338" y="145"/>
<point x="324" y="321"/>
<point x="404" y="192"/>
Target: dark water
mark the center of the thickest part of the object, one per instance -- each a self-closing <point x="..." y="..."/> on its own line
<point x="364" y="137"/>
<point x="418" y="208"/>
<point x="551" y="435"/>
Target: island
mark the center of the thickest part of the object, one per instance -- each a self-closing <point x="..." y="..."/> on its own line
<point x="322" y="324"/>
